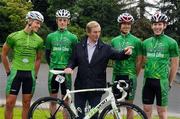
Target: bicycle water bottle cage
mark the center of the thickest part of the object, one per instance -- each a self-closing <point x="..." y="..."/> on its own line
<point x="60" y="78"/>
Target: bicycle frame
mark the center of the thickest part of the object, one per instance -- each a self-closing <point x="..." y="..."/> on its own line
<point x="110" y="98"/>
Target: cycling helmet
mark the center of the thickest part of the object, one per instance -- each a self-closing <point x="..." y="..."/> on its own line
<point x="63" y="13"/>
<point x="35" y="15"/>
<point x="125" y="17"/>
<point x="159" y="17"/>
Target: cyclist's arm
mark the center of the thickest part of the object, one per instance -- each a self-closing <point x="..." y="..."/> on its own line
<point x="48" y="54"/>
<point x="4" y="57"/>
<point x="143" y="61"/>
<point x="173" y="68"/>
<point x="38" y="62"/>
<point x="138" y="64"/>
<point x="48" y="49"/>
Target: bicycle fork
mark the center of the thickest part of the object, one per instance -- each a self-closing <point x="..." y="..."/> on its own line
<point x="116" y="111"/>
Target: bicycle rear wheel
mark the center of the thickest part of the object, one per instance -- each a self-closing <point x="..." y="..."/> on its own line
<point x="108" y="112"/>
<point x="40" y="109"/>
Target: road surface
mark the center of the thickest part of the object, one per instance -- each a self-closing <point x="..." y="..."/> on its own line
<point x="42" y="90"/>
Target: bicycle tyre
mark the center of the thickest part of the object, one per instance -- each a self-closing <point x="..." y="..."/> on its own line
<point x="40" y="109"/>
<point x="108" y="113"/>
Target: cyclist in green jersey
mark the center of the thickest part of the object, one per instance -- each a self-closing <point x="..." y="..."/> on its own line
<point x="161" y="59"/>
<point x="59" y="45"/>
<point x="27" y="48"/>
<point x="129" y="69"/>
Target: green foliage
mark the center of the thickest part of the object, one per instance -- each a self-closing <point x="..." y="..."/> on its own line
<point x="75" y="29"/>
<point x="171" y="9"/>
<point x="12" y="16"/>
<point x="55" y="5"/>
<point x="142" y="28"/>
<point x="44" y="31"/>
<point x="103" y="11"/>
<point x="12" y="13"/>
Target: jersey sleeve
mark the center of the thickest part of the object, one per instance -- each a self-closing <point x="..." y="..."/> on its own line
<point x="75" y="41"/>
<point x="41" y="45"/>
<point x="173" y="49"/>
<point x="139" y="47"/>
<point x="144" y="52"/>
<point x="112" y="43"/>
<point x="48" y="43"/>
<point x="10" y="41"/>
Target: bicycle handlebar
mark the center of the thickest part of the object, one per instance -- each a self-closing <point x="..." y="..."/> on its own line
<point x="122" y="82"/>
<point x="57" y="71"/>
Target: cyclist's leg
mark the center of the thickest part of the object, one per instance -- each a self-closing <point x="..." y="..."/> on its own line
<point x="26" y="101"/>
<point x="64" y="86"/>
<point x="28" y="87"/>
<point x="12" y="89"/>
<point x="94" y="99"/>
<point x="148" y="96"/>
<point x="162" y="98"/>
<point x="10" y="103"/>
<point x="131" y="96"/>
<point x="80" y="101"/>
<point x="162" y="112"/>
<point x="53" y="87"/>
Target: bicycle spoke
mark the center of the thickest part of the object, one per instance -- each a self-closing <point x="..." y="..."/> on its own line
<point x="43" y="110"/>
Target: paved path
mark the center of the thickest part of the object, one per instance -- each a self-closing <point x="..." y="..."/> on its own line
<point x="41" y="89"/>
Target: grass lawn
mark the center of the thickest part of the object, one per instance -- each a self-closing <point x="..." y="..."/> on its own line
<point x="17" y="114"/>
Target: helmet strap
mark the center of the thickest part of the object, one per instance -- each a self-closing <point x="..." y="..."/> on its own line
<point x="28" y="27"/>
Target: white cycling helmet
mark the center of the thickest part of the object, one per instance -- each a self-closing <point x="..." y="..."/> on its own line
<point x="159" y="17"/>
<point x="35" y="15"/>
<point x="63" y="13"/>
<point x="125" y="17"/>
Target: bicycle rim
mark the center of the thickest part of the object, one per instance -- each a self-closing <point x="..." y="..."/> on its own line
<point x="41" y="109"/>
<point x="136" y="112"/>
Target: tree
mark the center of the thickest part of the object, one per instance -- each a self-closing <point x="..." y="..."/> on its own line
<point x="12" y="16"/>
<point x="55" y="5"/>
<point x="171" y="9"/>
<point x="41" y="6"/>
<point x="138" y="9"/>
<point x="103" y="11"/>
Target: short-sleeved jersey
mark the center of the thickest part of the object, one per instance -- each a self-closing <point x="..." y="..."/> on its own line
<point x="127" y="67"/>
<point x="61" y="44"/>
<point x="25" y="47"/>
<point x="158" y="50"/>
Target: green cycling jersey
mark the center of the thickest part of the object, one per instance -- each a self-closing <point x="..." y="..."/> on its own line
<point x="60" y="43"/>
<point x="127" y="67"/>
<point x="158" y="50"/>
<point x="25" y="47"/>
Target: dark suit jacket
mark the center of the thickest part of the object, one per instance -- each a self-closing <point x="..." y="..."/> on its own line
<point x="93" y="74"/>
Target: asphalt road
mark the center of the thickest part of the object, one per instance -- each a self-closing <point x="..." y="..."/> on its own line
<point x="42" y="90"/>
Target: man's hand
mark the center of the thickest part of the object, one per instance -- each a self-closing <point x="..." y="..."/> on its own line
<point x="68" y="71"/>
<point x="8" y="73"/>
<point x="128" y="50"/>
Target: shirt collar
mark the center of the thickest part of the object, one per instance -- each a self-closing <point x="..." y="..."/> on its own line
<point x="125" y="35"/>
<point x="62" y="30"/>
<point x="91" y="44"/>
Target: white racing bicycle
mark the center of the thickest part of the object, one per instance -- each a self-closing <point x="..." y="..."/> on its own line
<point x="108" y="108"/>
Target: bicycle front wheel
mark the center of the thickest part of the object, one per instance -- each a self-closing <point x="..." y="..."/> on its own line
<point x="136" y="112"/>
<point x="49" y="108"/>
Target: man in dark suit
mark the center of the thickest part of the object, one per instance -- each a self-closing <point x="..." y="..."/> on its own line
<point x="92" y="56"/>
